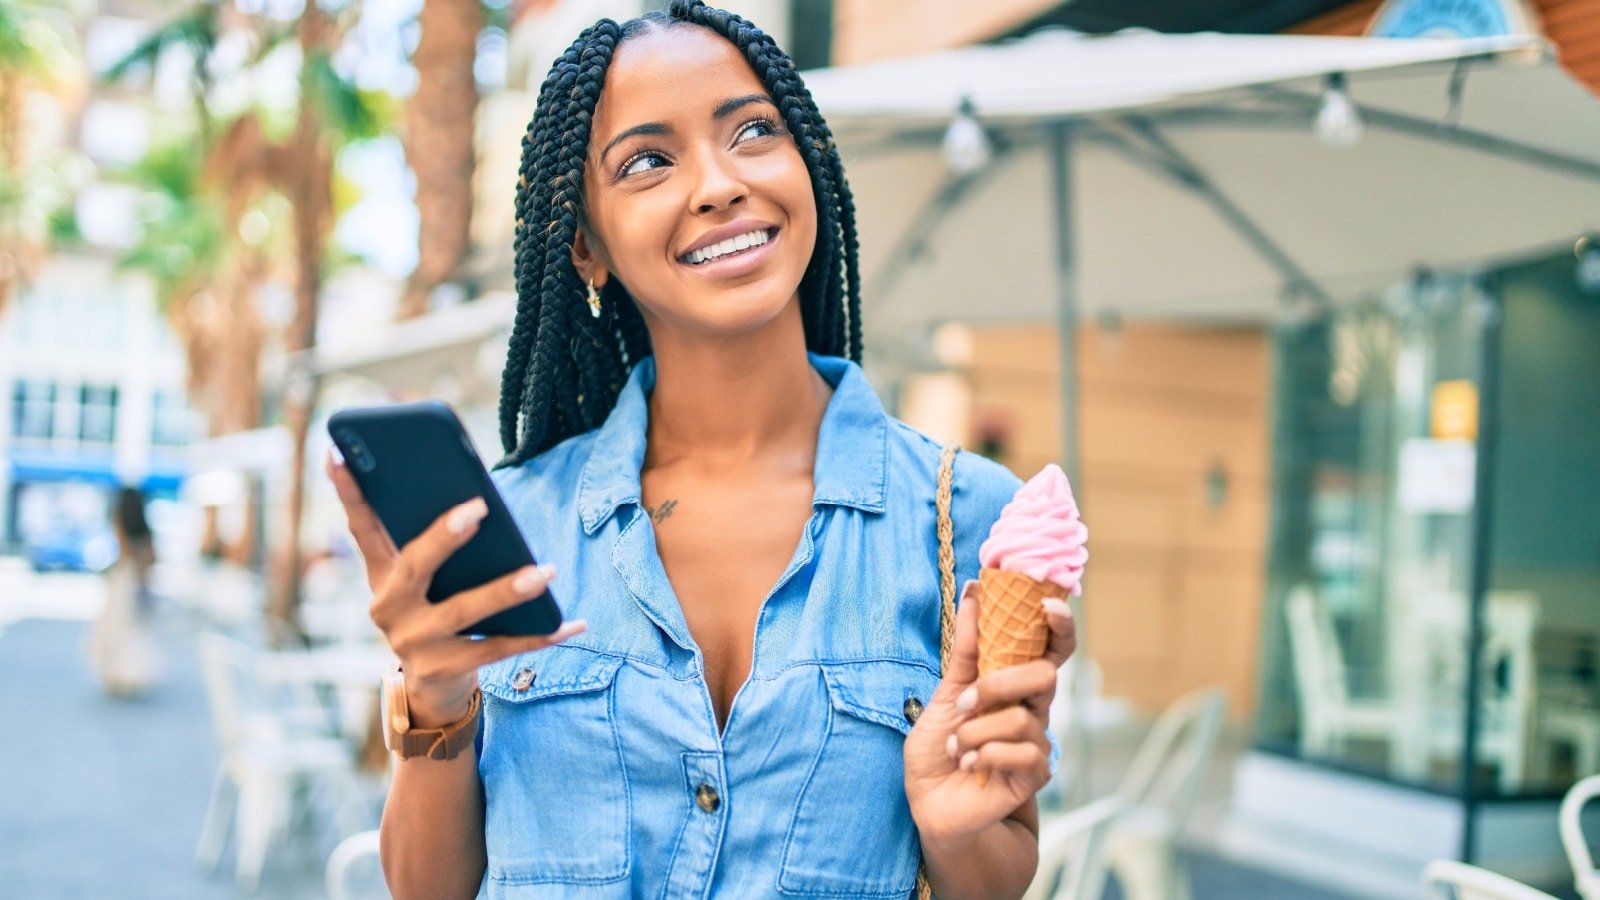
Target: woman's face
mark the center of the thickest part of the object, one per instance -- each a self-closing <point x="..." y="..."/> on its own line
<point x="697" y="197"/>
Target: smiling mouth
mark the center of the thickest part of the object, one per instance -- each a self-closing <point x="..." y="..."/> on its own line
<point x="732" y="247"/>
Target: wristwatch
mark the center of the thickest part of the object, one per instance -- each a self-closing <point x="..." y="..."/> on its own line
<point x="406" y="742"/>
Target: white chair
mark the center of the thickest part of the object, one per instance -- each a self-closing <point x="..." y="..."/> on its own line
<point x="357" y="849"/>
<point x="1160" y="790"/>
<point x="268" y="770"/>
<point x="1576" y="726"/>
<point x="1438" y="679"/>
<point x="1567" y="715"/>
<point x="1329" y="716"/>
<point x="1585" y="878"/>
<point x="1072" y="857"/>
<point x="1446" y="879"/>
<point x="1099" y="714"/>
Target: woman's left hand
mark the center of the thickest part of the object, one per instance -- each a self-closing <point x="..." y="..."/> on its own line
<point x="996" y="724"/>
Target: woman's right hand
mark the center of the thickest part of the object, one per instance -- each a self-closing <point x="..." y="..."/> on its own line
<point x="441" y="666"/>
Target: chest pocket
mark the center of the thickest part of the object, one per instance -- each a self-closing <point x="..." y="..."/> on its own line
<point x="852" y="832"/>
<point x="556" y="804"/>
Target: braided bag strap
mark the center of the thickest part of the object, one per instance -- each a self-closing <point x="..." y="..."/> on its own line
<point x="947" y="590"/>
<point x="947" y="555"/>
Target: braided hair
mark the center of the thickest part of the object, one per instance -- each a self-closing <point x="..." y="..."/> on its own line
<point x="565" y="368"/>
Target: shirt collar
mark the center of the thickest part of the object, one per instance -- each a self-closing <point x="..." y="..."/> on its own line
<point x="852" y="466"/>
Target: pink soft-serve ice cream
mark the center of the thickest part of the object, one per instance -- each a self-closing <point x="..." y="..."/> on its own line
<point x="1036" y="549"/>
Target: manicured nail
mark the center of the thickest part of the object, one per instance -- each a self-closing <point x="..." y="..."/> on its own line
<point x="970" y="759"/>
<point x="570" y="629"/>
<point x="528" y="580"/>
<point x="468" y="514"/>
<point x="968" y="699"/>
<point x="335" y="458"/>
<point x="952" y="748"/>
<point x="1057" y="607"/>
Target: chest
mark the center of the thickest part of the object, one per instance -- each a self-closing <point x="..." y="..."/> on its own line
<point x="724" y="544"/>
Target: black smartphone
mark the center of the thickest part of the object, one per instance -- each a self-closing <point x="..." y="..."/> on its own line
<point x="414" y="461"/>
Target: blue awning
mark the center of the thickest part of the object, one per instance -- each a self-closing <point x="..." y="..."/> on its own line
<point x="90" y="468"/>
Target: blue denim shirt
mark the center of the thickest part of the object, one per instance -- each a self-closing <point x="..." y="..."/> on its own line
<point x="603" y="769"/>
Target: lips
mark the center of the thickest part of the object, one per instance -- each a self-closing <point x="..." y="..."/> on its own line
<point x="733" y="238"/>
<point x="738" y="263"/>
<point x="731" y="247"/>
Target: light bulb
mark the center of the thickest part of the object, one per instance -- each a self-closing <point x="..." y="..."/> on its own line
<point x="1338" y="121"/>
<point x="966" y="145"/>
<point x="1587" y="273"/>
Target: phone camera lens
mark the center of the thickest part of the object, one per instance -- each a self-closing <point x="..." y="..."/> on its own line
<point x="356" y="452"/>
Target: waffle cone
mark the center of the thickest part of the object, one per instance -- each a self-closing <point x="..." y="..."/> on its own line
<point x="1011" y="624"/>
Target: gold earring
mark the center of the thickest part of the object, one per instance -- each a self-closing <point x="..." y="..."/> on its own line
<point x="594" y="300"/>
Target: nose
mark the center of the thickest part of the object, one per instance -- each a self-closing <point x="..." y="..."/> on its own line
<point x="718" y="185"/>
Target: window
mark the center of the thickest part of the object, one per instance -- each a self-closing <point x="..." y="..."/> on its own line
<point x="32" y="409"/>
<point x="172" y="419"/>
<point x="99" y="403"/>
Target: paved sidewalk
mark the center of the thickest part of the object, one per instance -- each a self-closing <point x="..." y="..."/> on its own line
<point x="102" y="798"/>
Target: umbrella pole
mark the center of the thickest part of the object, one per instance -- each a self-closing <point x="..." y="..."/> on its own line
<point x="1067" y="327"/>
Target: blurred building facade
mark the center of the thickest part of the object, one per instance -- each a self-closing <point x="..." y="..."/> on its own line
<point x="92" y="394"/>
<point x="92" y="381"/>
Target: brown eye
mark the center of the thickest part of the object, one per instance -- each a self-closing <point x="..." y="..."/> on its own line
<point x="641" y="163"/>
<point x="756" y="128"/>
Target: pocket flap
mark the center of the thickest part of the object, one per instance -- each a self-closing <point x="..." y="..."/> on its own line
<point x="880" y="691"/>
<point x="553" y="671"/>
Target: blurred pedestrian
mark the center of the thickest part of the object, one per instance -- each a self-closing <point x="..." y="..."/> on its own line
<point x="122" y="647"/>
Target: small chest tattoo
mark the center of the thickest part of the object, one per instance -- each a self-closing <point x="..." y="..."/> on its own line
<point x="660" y="513"/>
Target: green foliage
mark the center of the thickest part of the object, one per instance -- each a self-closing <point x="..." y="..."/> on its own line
<point x="343" y="107"/>
<point x="28" y="44"/>
<point x="14" y="50"/>
<point x="195" y="29"/>
<point x="184" y="237"/>
<point x="62" y="227"/>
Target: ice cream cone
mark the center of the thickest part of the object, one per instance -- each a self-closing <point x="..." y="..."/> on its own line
<point x="1011" y="624"/>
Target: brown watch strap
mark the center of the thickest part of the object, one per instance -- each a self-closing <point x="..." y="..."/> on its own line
<point x="446" y="742"/>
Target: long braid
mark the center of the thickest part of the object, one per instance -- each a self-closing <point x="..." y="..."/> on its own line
<point x="565" y="370"/>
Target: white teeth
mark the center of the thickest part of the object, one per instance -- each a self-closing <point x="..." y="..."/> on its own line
<point x="723" y="248"/>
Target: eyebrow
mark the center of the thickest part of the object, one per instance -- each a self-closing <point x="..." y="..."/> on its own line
<point x="724" y="109"/>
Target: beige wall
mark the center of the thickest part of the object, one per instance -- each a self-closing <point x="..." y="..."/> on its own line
<point x="1174" y="587"/>
<point x="866" y="30"/>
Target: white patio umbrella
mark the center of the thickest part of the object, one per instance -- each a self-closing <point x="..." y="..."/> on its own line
<point x="1181" y="176"/>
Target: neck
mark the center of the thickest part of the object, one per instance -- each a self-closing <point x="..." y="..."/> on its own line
<point x="721" y="402"/>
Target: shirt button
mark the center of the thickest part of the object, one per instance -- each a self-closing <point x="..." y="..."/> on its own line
<point x="523" y="679"/>
<point x="706" y="796"/>
<point x="913" y="710"/>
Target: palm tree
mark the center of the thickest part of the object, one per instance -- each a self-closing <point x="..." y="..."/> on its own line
<point x="240" y="165"/>
<point x="31" y="57"/>
<point x="439" y="143"/>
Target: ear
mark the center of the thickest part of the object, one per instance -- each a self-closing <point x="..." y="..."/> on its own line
<point x="588" y="257"/>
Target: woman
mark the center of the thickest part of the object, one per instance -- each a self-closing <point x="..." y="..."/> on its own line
<point x="749" y="537"/>
<point x="121" y="647"/>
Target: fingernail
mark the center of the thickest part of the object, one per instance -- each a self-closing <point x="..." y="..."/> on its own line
<point x="468" y="514"/>
<point x="952" y="748"/>
<point x="1057" y="607"/>
<point x="570" y="629"/>
<point x="970" y="586"/>
<point x="970" y="759"/>
<point x="968" y="699"/>
<point x="335" y="458"/>
<point x="528" y="580"/>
